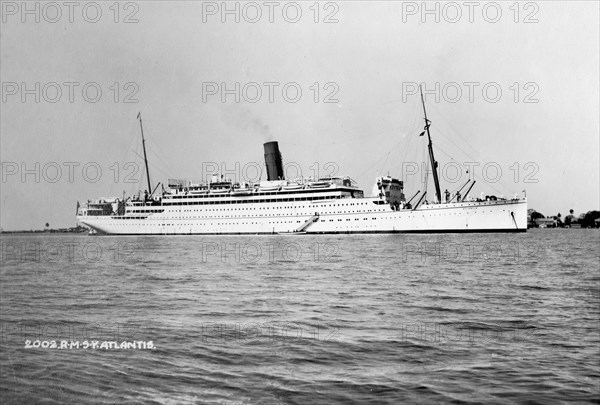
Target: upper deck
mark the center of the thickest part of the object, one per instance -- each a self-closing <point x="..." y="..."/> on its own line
<point x="229" y="193"/>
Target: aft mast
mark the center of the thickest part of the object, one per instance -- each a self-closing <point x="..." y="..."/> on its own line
<point x="145" y="157"/>
<point x="434" y="164"/>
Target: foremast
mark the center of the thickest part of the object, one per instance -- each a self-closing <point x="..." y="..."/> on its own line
<point x="139" y="116"/>
<point x="434" y="163"/>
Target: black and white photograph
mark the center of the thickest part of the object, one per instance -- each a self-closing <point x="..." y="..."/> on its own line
<point x="300" y="202"/>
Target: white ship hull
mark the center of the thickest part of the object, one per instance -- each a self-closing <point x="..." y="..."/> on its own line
<point x="361" y="215"/>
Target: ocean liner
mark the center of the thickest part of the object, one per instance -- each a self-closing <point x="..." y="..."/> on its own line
<point x="300" y="206"/>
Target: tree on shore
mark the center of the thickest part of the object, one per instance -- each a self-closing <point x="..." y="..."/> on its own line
<point x="589" y="219"/>
<point x="570" y="219"/>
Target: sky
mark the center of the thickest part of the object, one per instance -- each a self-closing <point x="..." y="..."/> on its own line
<point x="512" y="92"/>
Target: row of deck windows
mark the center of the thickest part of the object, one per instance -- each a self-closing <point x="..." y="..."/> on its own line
<point x="242" y="223"/>
<point x="241" y="208"/>
<point x="267" y="200"/>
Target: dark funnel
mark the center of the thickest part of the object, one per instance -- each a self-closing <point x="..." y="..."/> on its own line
<point x="273" y="161"/>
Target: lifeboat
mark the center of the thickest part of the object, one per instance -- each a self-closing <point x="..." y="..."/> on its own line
<point x="269" y="188"/>
<point x="293" y="186"/>
<point x="271" y="185"/>
<point x="319" y="184"/>
<point x="219" y="191"/>
<point x="242" y="191"/>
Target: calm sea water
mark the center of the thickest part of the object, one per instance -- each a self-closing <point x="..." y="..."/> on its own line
<point x="475" y="318"/>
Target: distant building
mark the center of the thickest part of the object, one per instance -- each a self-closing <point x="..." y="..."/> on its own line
<point x="546" y="222"/>
<point x="532" y="217"/>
